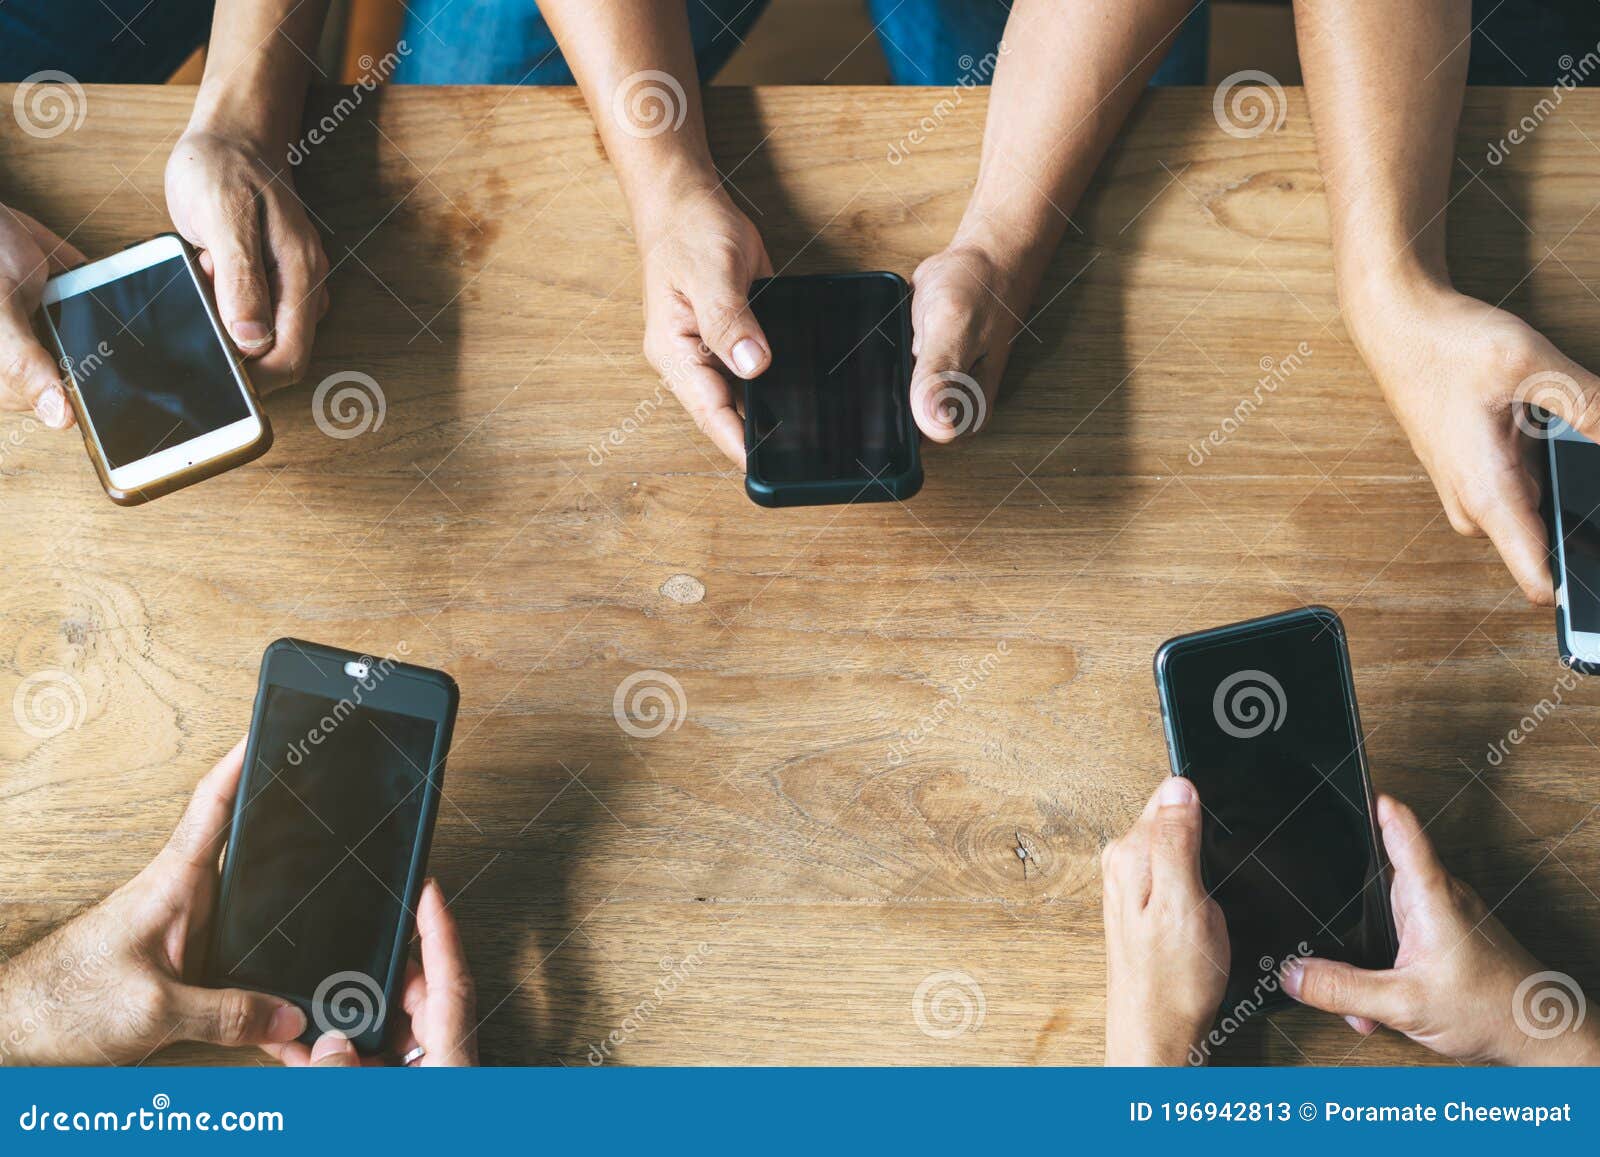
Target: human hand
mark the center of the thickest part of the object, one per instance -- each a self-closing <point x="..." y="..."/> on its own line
<point x="1166" y="942"/>
<point x="1457" y="373"/>
<point x="30" y="379"/>
<point x="108" y="987"/>
<point x="1461" y="985"/>
<point x="967" y="307"/>
<point x="438" y="1002"/>
<point x="257" y="245"/>
<point x="700" y="256"/>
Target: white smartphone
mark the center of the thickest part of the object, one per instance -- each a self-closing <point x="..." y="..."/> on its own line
<point x="1575" y="518"/>
<point x="158" y="391"/>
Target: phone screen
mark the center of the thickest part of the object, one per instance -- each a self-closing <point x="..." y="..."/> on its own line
<point x="833" y="405"/>
<point x="1577" y="467"/>
<point x="147" y="362"/>
<point x="1266" y="730"/>
<point x="319" y="861"/>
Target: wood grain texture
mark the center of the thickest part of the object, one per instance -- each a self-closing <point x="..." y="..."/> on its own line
<point x="836" y="815"/>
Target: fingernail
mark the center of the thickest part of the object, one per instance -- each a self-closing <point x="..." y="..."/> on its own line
<point x="948" y="413"/>
<point x="1176" y="792"/>
<point x="747" y="356"/>
<point x="51" y="406"/>
<point x="287" y="1023"/>
<point x="251" y="335"/>
<point x="331" y="1044"/>
<point x="1355" y="1023"/>
<point x="1290" y="975"/>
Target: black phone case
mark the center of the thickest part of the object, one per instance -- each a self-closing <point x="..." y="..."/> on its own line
<point x="374" y="1038"/>
<point x="1175" y="755"/>
<point x="885" y="488"/>
<point x="1547" y="508"/>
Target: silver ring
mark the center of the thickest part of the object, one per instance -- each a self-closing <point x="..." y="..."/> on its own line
<point x="414" y="1056"/>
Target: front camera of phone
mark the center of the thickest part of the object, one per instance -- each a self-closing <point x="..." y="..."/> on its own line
<point x="356" y="670"/>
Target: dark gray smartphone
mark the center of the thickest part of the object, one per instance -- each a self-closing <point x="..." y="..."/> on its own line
<point x="830" y="420"/>
<point x="1261" y="716"/>
<point x="329" y="843"/>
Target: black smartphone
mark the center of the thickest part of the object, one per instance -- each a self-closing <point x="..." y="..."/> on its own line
<point x="1261" y="716"/>
<point x="830" y="420"/>
<point x="329" y="843"/>
<point x="1572" y="502"/>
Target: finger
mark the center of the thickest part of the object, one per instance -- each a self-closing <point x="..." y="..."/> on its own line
<point x="1576" y="402"/>
<point x="728" y="326"/>
<point x="414" y="990"/>
<point x="1366" y="1026"/>
<point x="1511" y="520"/>
<point x="947" y="401"/>
<point x="298" y="267"/>
<point x="199" y="836"/>
<point x="239" y="276"/>
<point x="705" y="394"/>
<point x="449" y="982"/>
<point x="1336" y="987"/>
<point x="1175" y="843"/>
<point x="29" y="377"/>
<point x="334" y="1051"/>
<point x="234" y="1017"/>
<point x="1411" y="853"/>
<point x="293" y="1055"/>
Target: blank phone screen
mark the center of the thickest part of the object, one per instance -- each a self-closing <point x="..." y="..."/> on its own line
<point x="833" y="405"/>
<point x="147" y="362"/>
<point x="1265" y="730"/>
<point x="1577" y="464"/>
<point x="319" y="862"/>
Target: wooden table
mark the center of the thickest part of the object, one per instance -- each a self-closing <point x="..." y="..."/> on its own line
<point x="881" y="702"/>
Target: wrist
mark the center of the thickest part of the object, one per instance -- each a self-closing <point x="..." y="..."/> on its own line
<point x="1377" y="289"/>
<point x="1018" y="247"/>
<point x="1135" y="1042"/>
<point x="252" y="119"/>
<point x="660" y="194"/>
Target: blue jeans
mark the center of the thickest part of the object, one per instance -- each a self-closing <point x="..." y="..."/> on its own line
<point x="932" y="42"/>
<point x="507" y="42"/>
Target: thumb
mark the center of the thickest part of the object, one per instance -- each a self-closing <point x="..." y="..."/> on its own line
<point x="1346" y="990"/>
<point x="946" y="400"/>
<point x="239" y="279"/>
<point x="334" y="1051"/>
<point x="1570" y="392"/>
<point x="235" y="1016"/>
<point x="729" y="328"/>
<point x="29" y="377"/>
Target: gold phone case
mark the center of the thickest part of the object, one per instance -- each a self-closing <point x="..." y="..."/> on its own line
<point x="188" y="475"/>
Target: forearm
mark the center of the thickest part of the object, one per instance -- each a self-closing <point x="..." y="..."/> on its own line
<point x="653" y="127"/>
<point x="1385" y="84"/>
<point x="1067" y="78"/>
<point x="258" y="64"/>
